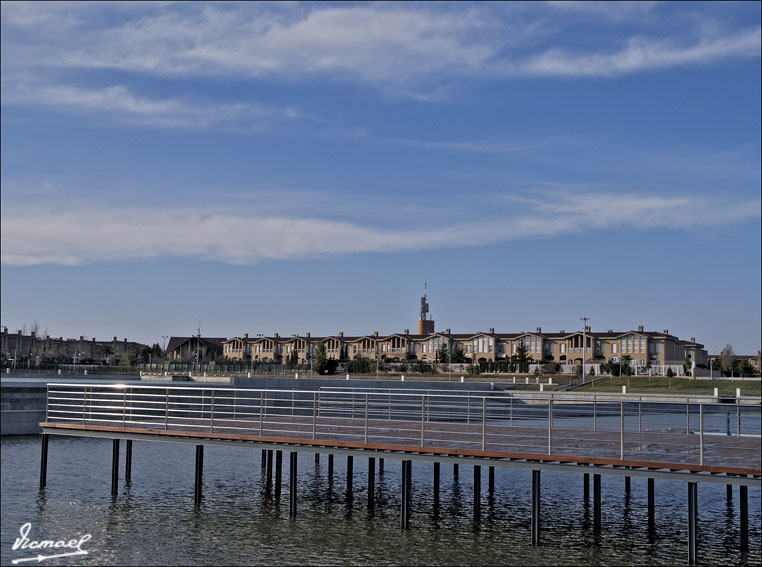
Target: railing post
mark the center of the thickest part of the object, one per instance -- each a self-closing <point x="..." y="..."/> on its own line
<point x="687" y="419"/>
<point x="468" y="409"/>
<point x="366" y="418"/>
<point x="211" y="415"/>
<point x="84" y="404"/>
<point x="595" y="415"/>
<point x="511" y="422"/>
<point x="550" y="426"/>
<point x="621" y="431"/>
<point x="166" y="410"/>
<point x="124" y="408"/>
<point x="484" y="423"/>
<point x="640" y="417"/>
<point x="261" y="411"/>
<point x="701" y="434"/>
<point x="423" y="419"/>
<point x="738" y="419"/>
<point x="314" y="416"/>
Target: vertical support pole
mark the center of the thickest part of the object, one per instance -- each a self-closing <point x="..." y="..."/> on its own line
<point x="491" y="480"/>
<point x="477" y="492"/>
<point x="595" y="415"/>
<point x="627" y="484"/>
<point x="264" y="459"/>
<point x="330" y="466"/>
<point x="692" y="516"/>
<point x="371" y="482"/>
<point x="586" y="488"/>
<point x="405" y="497"/>
<point x="317" y="458"/>
<point x="199" y="474"/>
<point x="269" y="467"/>
<point x="128" y="461"/>
<point x="687" y="419"/>
<point x="550" y="426"/>
<point x="115" y="468"/>
<point x="650" y="501"/>
<point x="596" y="503"/>
<point x="380" y="466"/>
<point x="44" y="461"/>
<point x="423" y="420"/>
<point x="350" y="467"/>
<point x="484" y="423"/>
<point x="455" y="470"/>
<point x="436" y="482"/>
<point x="743" y="496"/>
<point x="738" y="419"/>
<point x="621" y="431"/>
<point x="314" y="423"/>
<point x="535" y="508"/>
<point x="729" y="490"/>
<point x="701" y="434"/>
<point x="292" y="484"/>
<point x="640" y="417"/>
<point x="278" y="468"/>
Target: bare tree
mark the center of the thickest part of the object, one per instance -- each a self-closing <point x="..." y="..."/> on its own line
<point x="727" y="356"/>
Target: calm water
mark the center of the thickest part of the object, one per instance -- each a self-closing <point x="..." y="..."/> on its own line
<point x="153" y="520"/>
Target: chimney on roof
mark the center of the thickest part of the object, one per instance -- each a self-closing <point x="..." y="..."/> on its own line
<point x="375" y="333"/>
<point x="693" y="339"/>
<point x="341" y="333"/>
<point x="492" y="330"/>
<point x="539" y="330"/>
<point x="587" y="328"/>
<point x="246" y="335"/>
<point x="32" y="334"/>
<point x="307" y="335"/>
<point x="447" y="331"/>
<point x="610" y="331"/>
<point x="407" y="331"/>
<point x="125" y="339"/>
<point x="561" y="331"/>
<point x="93" y="339"/>
<point x="81" y="338"/>
<point x="276" y="335"/>
<point x="640" y="328"/>
<point x="114" y="339"/>
<point x="666" y="331"/>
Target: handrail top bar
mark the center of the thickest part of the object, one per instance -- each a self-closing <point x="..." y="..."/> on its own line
<point x="470" y="394"/>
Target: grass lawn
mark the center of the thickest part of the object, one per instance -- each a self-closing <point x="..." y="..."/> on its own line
<point x="662" y="385"/>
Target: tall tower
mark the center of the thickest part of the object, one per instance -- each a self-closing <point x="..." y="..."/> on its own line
<point x="425" y="325"/>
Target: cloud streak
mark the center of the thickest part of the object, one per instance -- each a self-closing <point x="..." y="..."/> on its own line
<point x="83" y="237"/>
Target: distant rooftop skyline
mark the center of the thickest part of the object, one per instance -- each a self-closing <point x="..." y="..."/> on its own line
<point x="295" y="167"/>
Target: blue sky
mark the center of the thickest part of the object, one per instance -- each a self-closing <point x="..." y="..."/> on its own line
<point x="306" y="167"/>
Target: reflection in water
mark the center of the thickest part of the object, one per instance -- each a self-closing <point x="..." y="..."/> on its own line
<point x="153" y="520"/>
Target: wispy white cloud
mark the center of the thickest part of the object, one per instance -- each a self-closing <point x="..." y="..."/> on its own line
<point x="384" y="44"/>
<point x="81" y="237"/>
<point x="120" y="103"/>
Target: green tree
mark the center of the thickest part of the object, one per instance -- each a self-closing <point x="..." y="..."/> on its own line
<point x="522" y="356"/>
<point x="320" y="359"/>
<point x="626" y="368"/>
<point x="107" y="351"/>
<point x="457" y="355"/>
<point x="293" y="359"/>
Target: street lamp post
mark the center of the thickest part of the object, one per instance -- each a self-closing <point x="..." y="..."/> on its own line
<point x="584" y="344"/>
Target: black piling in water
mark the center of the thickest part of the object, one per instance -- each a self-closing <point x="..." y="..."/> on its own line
<point x="455" y="470"/>
<point x="44" y="461"/>
<point x="651" y="501"/>
<point x="115" y="468"/>
<point x="128" y="461"/>
<point x="729" y="491"/>
<point x="491" y="480"/>
<point x="199" y="474"/>
<point x="596" y="503"/>
<point x="371" y="482"/>
<point x="436" y="483"/>
<point x="350" y="467"/>
<point x="330" y="466"/>
<point x="627" y="484"/>
<point x="407" y="470"/>
<point x="264" y="459"/>
<point x="292" y="470"/>
<point x="278" y="469"/>
<point x="477" y="492"/>
<point x="586" y="487"/>
<point x="743" y="496"/>
<point x="269" y="477"/>
<point x="317" y="458"/>
<point x="692" y="517"/>
<point x="535" y="508"/>
<point x="380" y="466"/>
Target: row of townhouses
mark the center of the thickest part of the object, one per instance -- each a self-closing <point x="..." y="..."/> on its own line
<point x="641" y="347"/>
<point x="30" y="346"/>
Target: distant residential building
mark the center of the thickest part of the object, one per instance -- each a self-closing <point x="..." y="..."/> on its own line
<point x="20" y="346"/>
<point x="195" y="348"/>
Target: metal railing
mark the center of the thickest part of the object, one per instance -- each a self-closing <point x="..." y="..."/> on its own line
<point x="653" y="431"/>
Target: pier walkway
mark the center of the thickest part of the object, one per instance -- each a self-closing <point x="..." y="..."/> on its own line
<point x="696" y="442"/>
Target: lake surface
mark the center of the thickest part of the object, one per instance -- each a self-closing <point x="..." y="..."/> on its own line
<point x="153" y="521"/>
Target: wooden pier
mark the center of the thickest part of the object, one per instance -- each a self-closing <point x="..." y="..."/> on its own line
<point x="644" y="439"/>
